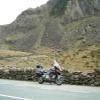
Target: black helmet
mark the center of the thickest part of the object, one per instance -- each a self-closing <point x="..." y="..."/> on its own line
<point x="39" y="66"/>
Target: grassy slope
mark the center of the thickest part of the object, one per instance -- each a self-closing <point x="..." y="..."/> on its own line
<point x="83" y="56"/>
<point x="19" y="59"/>
<point x="86" y="59"/>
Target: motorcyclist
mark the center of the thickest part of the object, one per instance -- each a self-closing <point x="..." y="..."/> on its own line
<point x="56" y="69"/>
<point x="57" y="66"/>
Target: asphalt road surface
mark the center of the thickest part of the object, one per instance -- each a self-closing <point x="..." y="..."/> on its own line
<point x="21" y="90"/>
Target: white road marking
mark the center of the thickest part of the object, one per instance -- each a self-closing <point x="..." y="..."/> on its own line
<point x="13" y="97"/>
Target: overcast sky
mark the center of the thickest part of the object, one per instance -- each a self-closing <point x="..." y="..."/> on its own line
<point x="10" y="9"/>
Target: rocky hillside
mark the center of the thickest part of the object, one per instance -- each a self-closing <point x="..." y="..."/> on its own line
<point x="68" y="25"/>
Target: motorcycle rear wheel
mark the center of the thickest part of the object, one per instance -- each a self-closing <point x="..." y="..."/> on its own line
<point x="40" y="81"/>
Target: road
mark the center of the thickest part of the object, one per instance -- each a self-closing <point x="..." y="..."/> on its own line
<point x="21" y="90"/>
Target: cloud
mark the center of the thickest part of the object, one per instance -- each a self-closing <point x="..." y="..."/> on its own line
<point x="10" y="9"/>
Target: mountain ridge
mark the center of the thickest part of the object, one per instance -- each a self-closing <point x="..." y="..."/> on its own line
<point x="59" y="24"/>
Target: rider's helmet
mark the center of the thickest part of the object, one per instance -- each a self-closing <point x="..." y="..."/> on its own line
<point x="39" y="66"/>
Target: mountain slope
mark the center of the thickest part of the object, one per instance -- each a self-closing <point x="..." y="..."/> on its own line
<point x="67" y="25"/>
<point x="40" y="27"/>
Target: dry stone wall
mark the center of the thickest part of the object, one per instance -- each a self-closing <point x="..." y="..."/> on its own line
<point x="75" y="78"/>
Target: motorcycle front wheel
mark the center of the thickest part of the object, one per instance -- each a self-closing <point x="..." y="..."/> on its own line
<point x="59" y="81"/>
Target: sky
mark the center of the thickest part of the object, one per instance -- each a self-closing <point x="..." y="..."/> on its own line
<point x="10" y="9"/>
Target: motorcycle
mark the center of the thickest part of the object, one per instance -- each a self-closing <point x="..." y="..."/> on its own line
<point x="50" y="76"/>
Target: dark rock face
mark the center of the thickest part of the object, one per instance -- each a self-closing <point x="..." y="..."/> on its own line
<point x="74" y="78"/>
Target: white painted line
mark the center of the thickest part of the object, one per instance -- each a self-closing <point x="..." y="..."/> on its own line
<point x="13" y="97"/>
